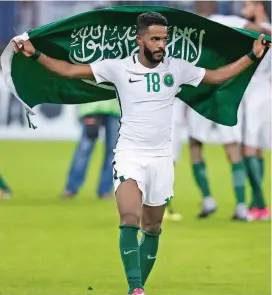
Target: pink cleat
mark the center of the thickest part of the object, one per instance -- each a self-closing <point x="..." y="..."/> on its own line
<point x="138" y="291"/>
<point x="253" y="214"/>
<point x="264" y="214"/>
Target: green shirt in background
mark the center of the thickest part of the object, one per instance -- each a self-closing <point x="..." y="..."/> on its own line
<point x="105" y="107"/>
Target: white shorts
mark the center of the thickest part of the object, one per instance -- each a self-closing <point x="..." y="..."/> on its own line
<point x="201" y="128"/>
<point x="257" y="120"/>
<point x="178" y="121"/>
<point x="154" y="176"/>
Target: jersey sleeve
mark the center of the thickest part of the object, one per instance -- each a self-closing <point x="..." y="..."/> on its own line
<point x="188" y="73"/>
<point x="105" y="70"/>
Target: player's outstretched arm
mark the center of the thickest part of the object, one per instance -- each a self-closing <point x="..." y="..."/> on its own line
<point x="59" y="67"/>
<point x="227" y="72"/>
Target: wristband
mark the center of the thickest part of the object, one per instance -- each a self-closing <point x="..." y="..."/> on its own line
<point x="252" y="55"/>
<point x="36" y="55"/>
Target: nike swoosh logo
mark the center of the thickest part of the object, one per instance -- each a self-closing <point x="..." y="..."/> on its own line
<point x="133" y="81"/>
<point x="151" y="257"/>
<point x="128" y="252"/>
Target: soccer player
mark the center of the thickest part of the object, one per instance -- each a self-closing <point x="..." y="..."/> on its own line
<point x="257" y="102"/>
<point x="176" y="139"/>
<point x="230" y="137"/>
<point x="146" y="84"/>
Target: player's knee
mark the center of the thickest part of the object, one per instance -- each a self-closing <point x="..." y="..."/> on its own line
<point x="196" y="147"/>
<point x="233" y="152"/>
<point x="194" y="143"/>
<point x="259" y="153"/>
<point x="152" y="227"/>
<point x="249" y="151"/>
<point x="92" y="131"/>
<point x="91" y="125"/>
<point x="130" y="218"/>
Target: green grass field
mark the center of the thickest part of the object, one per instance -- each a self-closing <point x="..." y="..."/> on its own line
<point x="50" y="246"/>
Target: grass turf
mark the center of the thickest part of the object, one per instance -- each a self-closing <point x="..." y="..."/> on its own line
<point x="51" y="246"/>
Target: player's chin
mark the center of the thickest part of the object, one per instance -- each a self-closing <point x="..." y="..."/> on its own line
<point x="158" y="57"/>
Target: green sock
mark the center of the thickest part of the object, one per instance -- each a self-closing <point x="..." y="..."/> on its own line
<point x="254" y="174"/>
<point x="253" y="198"/>
<point x="130" y="253"/>
<point x="149" y="244"/>
<point x="261" y="163"/>
<point x="3" y="184"/>
<point x="238" y="180"/>
<point x="200" y="175"/>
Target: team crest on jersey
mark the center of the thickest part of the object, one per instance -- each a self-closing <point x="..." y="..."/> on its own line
<point x="168" y="80"/>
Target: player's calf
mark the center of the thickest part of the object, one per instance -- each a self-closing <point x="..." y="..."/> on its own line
<point x="234" y="154"/>
<point x="149" y="243"/>
<point x="196" y="150"/>
<point x="254" y="172"/>
<point x="201" y="178"/>
<point x="129" y="203"/>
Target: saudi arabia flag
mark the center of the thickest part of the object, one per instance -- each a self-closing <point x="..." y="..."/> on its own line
<point x="111" y="33"/>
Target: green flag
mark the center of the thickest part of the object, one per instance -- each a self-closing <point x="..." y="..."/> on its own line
<point x="111" y="33"/>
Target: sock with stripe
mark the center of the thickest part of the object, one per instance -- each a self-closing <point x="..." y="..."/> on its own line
<point x="130" y="253"/>
<point x="254" y="174"/>
<point x="149" y="245"/>
<point x="238" y="181"/>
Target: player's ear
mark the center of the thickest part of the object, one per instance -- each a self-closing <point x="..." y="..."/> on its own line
<point x="139" y="40"/>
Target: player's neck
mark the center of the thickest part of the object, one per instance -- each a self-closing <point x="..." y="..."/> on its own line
<point x="145" y="62"/>
<point x="261" y="18"/>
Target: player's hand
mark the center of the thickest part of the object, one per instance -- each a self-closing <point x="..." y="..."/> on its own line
<point x="25" y="47"/>
<point x="260" y="45"/>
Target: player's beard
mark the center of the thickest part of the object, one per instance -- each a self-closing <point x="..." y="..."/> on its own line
<point x="149" y="55"/>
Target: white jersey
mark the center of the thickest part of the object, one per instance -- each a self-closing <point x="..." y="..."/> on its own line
<point x="146" y="99"/>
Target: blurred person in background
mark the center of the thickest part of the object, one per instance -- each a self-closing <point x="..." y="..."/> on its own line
<point x="236" y="7"/>
<point x="8" y="11"/>
<point x="230" y="137"/>
<point x="92" y="117"/>
<point x="176" y="139"/>
<point x="38" y="13"/>
<point x="257" y="125"/>
<point x="50" y="11"/>
<point x="224" y="7"/>
<point x="27" y="16"/>
<point x="5" y="191"/>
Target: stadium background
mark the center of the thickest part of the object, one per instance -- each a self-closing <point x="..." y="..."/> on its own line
<point x="50" y="246"/>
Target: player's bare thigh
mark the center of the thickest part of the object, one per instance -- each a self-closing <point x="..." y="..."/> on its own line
<point x="129" y="202"/>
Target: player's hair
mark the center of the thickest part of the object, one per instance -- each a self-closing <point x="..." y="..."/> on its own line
<point x="148" y="19"/>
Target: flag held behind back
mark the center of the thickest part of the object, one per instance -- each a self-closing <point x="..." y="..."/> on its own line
<point x="111" y="33"/>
